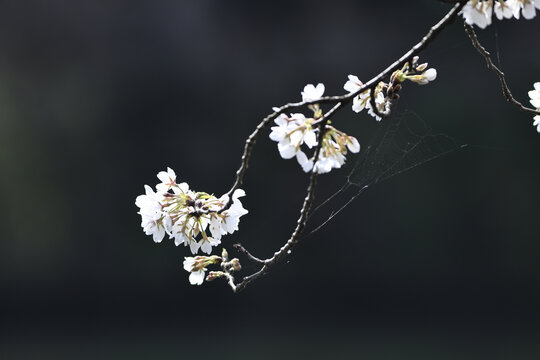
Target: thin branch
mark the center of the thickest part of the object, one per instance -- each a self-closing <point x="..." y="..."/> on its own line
<point x="506" y="91"/>
<point x="253" y="258"/>
<point x="301" y="223"/>
<point x="339" y="102"/>
<point x="343" y="99"/>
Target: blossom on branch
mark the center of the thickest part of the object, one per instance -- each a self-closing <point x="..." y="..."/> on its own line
<point x="197" y="267"/>
<point x="296" y="130"/>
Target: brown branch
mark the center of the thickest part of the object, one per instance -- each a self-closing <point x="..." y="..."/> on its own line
<point x="506" y="91"/>
<point x="248" y="254"/>
<point x="301" y="223"/>
<point x="344" y="99"/>
<point x="339" y="102"/>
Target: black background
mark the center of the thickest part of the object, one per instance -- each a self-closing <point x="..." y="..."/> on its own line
<point x="97" y="97"/>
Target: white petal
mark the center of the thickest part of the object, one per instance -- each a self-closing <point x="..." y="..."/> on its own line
<point x="206" y="247"/>
<point x="188" y="263"/>
<point x="194" y="246"/>
<point x="310" y="138"/>
<point x="238" y="193"/>
<point x="196" y="277"/>
<point x="303" y="160"/>
<point x="353" y="145"/>
<point x="296" y="138"/>
<point x="179" y="238"/>
<point x="286" y="150"/>
<point x="159" y="234"/>
<point x="529" y="12"/>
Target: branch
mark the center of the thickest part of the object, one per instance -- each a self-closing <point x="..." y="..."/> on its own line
<point x="343" y="99"/>
<point x="301" y="223"/>
<point x="339" y="102"/>
<point x="242" y="249"/>
<point x="506" y="91"/>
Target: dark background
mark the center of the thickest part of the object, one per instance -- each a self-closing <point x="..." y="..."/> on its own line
<point x="96" y="97"/>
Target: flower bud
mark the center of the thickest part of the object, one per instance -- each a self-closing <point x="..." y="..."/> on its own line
<point x="235" y="263"/>
<point x="421" y="67"/>
<point x="212" y="275"/>
<point x="430" y="74"/>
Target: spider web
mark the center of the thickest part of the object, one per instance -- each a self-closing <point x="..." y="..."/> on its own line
<point x="401" y="143"/>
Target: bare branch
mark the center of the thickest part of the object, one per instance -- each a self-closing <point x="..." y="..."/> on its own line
<point x="506" y="91"/>
<point x="248" y="254"/>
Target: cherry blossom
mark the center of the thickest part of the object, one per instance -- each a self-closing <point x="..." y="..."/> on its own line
<point x="503" y="10"/>
<point x="525" y="7"/>
<point x="312" y="93"/>
<point x="535" y="95"/>
<point x="361" y="100"/>
<point x="152" y="218"/>
<point x="195" y="219"/>
<point x="478" y="12"/>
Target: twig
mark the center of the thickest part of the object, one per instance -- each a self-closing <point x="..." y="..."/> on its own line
<point x="248" y="254"/>
<point x="506" y="91"/>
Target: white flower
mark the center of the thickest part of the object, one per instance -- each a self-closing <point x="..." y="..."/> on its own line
<point x="187" y="215"/>
<point x="168" y="180"/>
<point x="478" y="12"/>
<point x="380" y="103"/>
<point x="526" y="7"/>
<point x="503" y="10"/>
<point x="231" y="216"/>
<point x="291" y="132"/>
<point x="206" y="244"/>
<point x="535" y="95"/>
<point x="353" y="145"/>
<point x="312" y="93"/>
<point x="307" y="164"/>
<point x="326" y="163"/>
<point x="537" y="122"/>
<point x="196" y="276"/>
<point x="361" y="100"/>
<point x="152" y="219"/>
<point x="353" y="84"/>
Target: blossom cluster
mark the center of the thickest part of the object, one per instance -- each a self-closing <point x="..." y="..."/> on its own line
<point x="384" y="92"/>
<point x="480" y="12"/>
<point x="294" y="130"/>
<point x="187" y="216"/>
<point x="535" y="101"/>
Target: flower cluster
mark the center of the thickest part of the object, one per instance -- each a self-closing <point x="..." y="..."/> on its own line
<point x="479" y="12"/>
<point x="186" y="215"/>
<point x="294" y="130"/>
<point x="384" y="92"/>
<point x="535" y="101"/>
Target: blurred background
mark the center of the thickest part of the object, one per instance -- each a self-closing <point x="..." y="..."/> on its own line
<point x="96" y="97"/>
